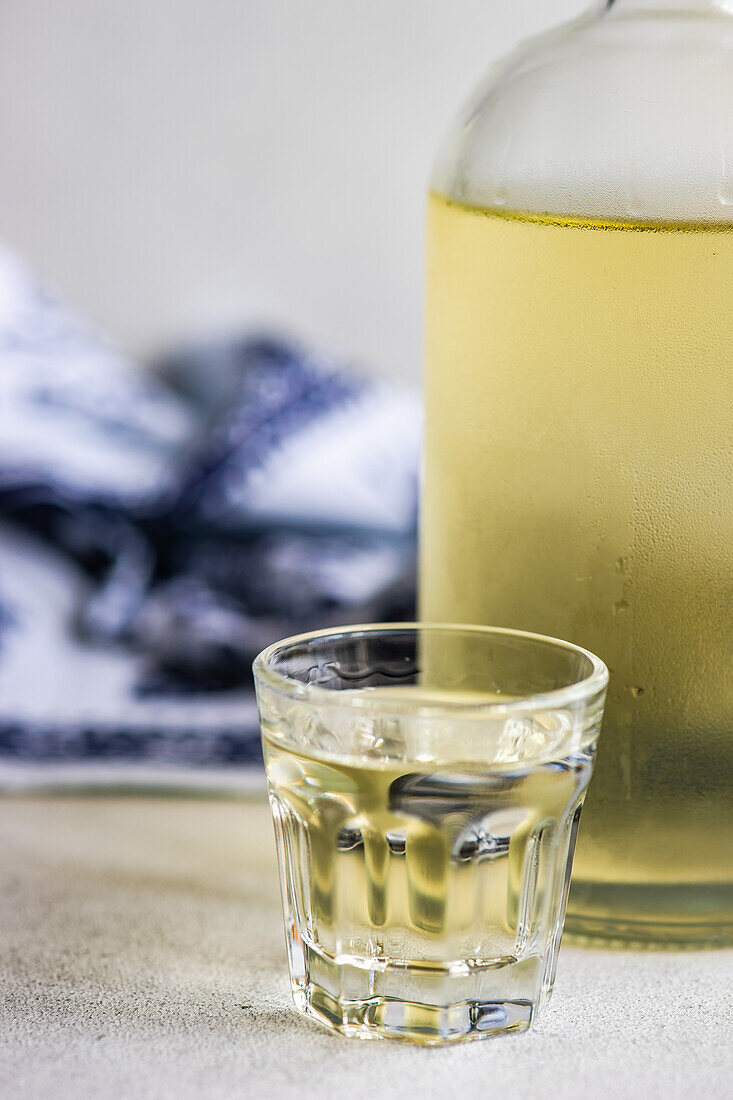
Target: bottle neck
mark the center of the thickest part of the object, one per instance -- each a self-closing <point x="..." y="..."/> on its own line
<point x="683" y="7"/>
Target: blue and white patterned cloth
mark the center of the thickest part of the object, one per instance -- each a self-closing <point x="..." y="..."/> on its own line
<point x="158" y="529"/>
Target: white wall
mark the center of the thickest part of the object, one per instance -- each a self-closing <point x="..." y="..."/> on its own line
<point x="179" y="164"/>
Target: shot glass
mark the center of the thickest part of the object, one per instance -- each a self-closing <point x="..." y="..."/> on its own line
<point x="426" y="784"/>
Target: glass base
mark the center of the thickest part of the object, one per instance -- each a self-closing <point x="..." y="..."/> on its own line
<point x="646" y="935"/>
<point x="650" y="915"/>
<point x="437" y="1003"/>
<point x="382" y="1018"/>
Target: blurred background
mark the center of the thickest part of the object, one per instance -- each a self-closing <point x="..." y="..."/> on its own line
<point x="210" y="313"/>
<point x="175" y="165"/>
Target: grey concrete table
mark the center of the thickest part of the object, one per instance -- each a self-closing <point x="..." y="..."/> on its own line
<point x="143" y="956"/>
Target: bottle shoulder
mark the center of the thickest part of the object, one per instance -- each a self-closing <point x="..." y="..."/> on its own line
<point x="625" y="118"/>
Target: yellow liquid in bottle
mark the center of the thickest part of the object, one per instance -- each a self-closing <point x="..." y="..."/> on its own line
<point x="578" y="484"/>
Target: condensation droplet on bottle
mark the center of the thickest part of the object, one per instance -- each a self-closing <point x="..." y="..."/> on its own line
<point x="725" y="194"/>
<point x="636" y="691"/>
<point x="620" y="606"/>
<point x="725" y="190"/>
<point x="622" y="564"/>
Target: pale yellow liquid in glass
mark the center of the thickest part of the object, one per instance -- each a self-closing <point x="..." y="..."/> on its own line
<point x="426" y="861"/>
<point x="424" y="856"/>
<point x="578" y="484"/>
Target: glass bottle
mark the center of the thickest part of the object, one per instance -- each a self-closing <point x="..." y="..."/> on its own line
<point x="579" y="358"/>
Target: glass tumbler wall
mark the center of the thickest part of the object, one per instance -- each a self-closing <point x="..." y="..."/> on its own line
<point x="426" y="786"/>
<point x="578" y="479"/>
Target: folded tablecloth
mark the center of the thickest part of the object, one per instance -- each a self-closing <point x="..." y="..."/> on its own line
<point x="157" y="528"/>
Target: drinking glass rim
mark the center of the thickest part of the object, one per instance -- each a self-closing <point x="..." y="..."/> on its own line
<point x="595" y="682"/>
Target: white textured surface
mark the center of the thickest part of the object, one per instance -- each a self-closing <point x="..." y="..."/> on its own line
<point x="142" y="955"/>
